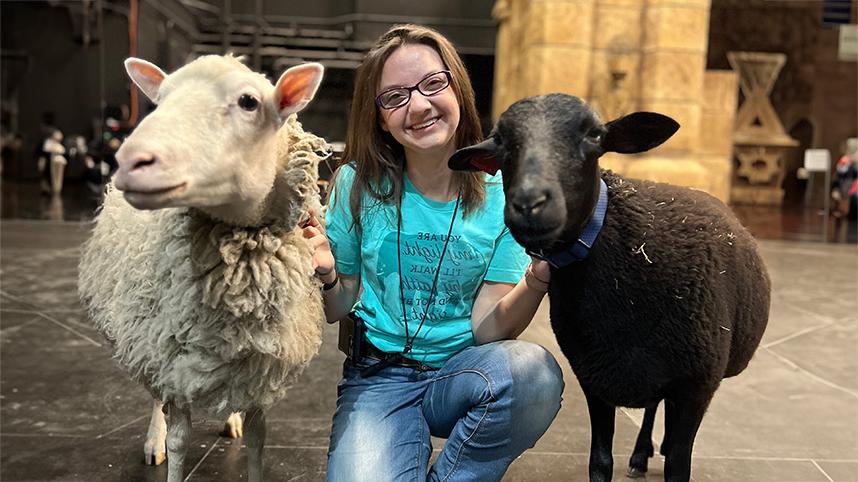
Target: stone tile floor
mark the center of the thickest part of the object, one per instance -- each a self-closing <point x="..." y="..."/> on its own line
<point x="68" y="414"/>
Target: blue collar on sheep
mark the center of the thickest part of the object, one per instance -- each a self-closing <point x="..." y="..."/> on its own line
<point x="579" y="250"/>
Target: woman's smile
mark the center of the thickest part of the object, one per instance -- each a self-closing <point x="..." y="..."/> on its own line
<point x="424" y="126"/>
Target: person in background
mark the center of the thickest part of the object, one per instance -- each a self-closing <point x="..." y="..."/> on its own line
<point x="55" y="161"/>
<point x="844" y="189"/>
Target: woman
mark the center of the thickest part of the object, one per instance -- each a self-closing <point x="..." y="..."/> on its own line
<point x="442" y="296"/>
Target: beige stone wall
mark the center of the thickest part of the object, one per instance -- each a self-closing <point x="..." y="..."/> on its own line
<point x="615" y="66"/>
<point x="624" y="56"/>
<point x="718" y="116"/>
<point x="537" y="53"/>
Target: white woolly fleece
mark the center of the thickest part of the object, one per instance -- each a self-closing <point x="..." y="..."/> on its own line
<point x="207" y="314"/>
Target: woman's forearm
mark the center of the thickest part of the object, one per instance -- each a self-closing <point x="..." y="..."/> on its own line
<point x="340" y="299"/>
<point x="510" y="313"/>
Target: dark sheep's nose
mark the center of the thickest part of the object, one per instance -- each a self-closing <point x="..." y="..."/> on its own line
<point x="530" y="201"/>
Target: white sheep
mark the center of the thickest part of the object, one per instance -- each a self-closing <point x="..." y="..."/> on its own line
<point x="197" y="272"/>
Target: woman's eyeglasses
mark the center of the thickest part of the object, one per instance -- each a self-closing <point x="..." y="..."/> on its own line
<point x="399" y="96"/>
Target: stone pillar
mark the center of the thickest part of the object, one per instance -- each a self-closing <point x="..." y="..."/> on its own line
<point x="559" y="47"/>
<point x="544" y="46"/>
<point x="510" y="58"/>
<point x="504" y="82"/>
<point x="615" y="68"/>
<point x="623" y="56"/>
<point x="720" y="97"/>
<point x="673" y="63"/>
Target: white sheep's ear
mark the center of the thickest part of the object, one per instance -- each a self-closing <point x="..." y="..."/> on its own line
<point x="296" y="88"/>
<point x="479" y="157"/>
<point x="146" y="75"/>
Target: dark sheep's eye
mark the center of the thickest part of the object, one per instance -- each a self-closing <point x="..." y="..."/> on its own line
<point x="248" y="102"/>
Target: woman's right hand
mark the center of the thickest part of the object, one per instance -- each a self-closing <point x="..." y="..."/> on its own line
<point x="323" y="258"/>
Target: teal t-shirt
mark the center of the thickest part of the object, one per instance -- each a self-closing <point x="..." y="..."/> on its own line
<point x="480" y="248"/>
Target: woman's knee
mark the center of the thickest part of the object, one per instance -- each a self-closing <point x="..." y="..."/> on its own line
<point x="536" y="388"/>
<point x="521" y="378"/>
<point x="535" y="391"/>
<point x="534" y="369"/>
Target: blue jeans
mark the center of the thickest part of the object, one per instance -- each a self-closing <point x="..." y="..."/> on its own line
<point x="491" y="402"/>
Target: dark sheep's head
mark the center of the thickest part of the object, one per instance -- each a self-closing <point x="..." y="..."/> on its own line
<point x="548" y="149"/>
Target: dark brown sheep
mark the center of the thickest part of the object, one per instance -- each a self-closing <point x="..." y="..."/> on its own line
<point x="668" y="299"/>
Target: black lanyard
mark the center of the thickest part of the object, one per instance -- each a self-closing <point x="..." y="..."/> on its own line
<point x="409" y="340"/>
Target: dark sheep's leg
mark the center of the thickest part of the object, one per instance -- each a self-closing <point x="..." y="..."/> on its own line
<point x="685" y="417"/>
<point x="665" y="442"/>
<point x="601" y="438"/>
<point x="643" y="447"/>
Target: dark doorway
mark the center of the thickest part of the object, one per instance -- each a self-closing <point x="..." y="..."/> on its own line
<point x="794" y="188"/>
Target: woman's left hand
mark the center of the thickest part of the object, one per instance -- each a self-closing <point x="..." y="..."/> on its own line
<point x="541" y="269"/>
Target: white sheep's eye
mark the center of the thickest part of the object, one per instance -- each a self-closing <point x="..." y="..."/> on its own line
<point x="248" y="102"/>
<point x="594" y="136"/>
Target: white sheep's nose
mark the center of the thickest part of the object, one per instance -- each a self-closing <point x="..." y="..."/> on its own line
<point x="143" y="161"/>
<point x="138" y="168"/>
<point x="132" y="161"/>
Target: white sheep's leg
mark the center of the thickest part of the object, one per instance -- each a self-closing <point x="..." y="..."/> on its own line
<point x="254" y="424"/>
<point x="155" y="448"/>
<point x="233" y="426"/>
<point x="178" y="439"/>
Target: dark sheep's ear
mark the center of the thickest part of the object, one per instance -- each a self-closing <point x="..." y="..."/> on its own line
<point x="479" y="157"/>
<point x="638" y="132"/>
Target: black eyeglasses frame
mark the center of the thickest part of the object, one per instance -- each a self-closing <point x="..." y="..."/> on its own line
<point x="416" y="87"/>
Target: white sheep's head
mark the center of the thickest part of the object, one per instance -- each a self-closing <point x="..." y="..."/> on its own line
<point x="211" y="141"/>
<point x="548" y="148"/>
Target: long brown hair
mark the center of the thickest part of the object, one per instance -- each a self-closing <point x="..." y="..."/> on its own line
<point x="379" y="158"/>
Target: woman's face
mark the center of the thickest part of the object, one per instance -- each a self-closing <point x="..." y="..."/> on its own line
<point x="426" y="124"/>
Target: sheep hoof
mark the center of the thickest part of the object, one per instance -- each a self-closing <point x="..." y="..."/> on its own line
<point x="638" y="463"/>
<point x="156" y="458"/>
<point x="233" y="428"/>
<point x="636" y="473"/>
<point x="155" y="448"/>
